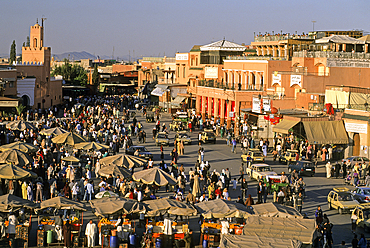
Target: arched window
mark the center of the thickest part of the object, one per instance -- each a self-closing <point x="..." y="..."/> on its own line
<point x="35" y="42"/>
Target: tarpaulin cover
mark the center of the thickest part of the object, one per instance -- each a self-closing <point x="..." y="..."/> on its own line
<point x="273" y="209"/>
<point x="325" y="132"/>
<point x="336" y="97"/>
<point x="10" y="171"/>
<point x="53" y="131"/>
<point x="165" y="205"/>
<point x="220" y="208"/>
<point x="127" y="161"/>
<point x="69" y="138"/>
<point x="241" y="241"/>
<point x="10" y="201"/>
<point x="15" y="156"/>
<point x="358" y="98"/>
<point x="284" y="126"/>
<point x="19" y="145"/>
<point x="20" y="125"/>
<point x="110" y="205"/>
<point x="154" y="176"/>
<point x="178" y="100"/>
<point x="61" y="203"/>
<point x="280" y="228"/>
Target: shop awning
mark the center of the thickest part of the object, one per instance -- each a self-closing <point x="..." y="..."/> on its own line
<point x="325" y="132"/>
<point x="284" y="126"/>
<point x="178" y="100"/>
<point x="159" y="90"/>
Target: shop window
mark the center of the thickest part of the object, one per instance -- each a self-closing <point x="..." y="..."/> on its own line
<point x="11" y="85"/>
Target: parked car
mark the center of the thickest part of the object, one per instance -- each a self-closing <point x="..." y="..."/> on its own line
<point x="342" y="199"/>
<point x="288" y="157"/>
<point x="356" y="159"/>
<point x="304" y="168"/>
<point x="208" y="136"/>
<point x="260" y="171"/>
<point x="363" y="216"/>
<point x="143" y="152"/>
<point x="162" y="139"/>
<point x="184" y="137"/>
<point x="361" y="194"/>
<point x="255" y="154"/>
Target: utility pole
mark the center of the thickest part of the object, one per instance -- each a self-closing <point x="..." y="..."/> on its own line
<point x="313" y="26"/>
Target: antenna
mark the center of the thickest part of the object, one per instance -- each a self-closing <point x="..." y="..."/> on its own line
<point x="313" y="26"/>
<point x="113" y="54"/>
<point x="42" y="21"/>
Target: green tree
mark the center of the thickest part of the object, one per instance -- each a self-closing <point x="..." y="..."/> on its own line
<point x="20" y="109"/>
<point x="95" y="75"/>
<point x="28" y="42"/>
<point x="73" y="74"/>
<point x="24" y="44"/>
<point x="13" y="53"/>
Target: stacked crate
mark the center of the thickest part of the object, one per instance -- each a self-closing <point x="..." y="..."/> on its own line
<point x="41" y="238"/>
<point x="21" y="234"/>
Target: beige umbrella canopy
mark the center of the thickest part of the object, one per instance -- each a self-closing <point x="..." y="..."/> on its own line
<point x="115" y="171"/>
<point x="20" y="125"/>
<point x="10" y="201"/>
<point x="62" y="203"/>
<point x="71" y="159"/>
<point x="113" y="205"/>
<point x="171" y="206"/>
<point x="15" y="156"/>
<point x="124" y="160"/>
<point x="69" y="138"/>
<point x="220" y="208"/>
<point x="53" y="131"/>
<point x="91" y="145"/>
<point x="10" y="171"/>
<point x="154" y="176"/>
<point x="21" y="146"/>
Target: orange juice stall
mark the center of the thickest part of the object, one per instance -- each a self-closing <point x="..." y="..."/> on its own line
<point x="47" y="227"/>
<point x="220" y="217"/>
<point x="112" y="227"/>
<point x="166" y="230"/>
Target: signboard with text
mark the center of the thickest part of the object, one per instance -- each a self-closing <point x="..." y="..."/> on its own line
<point x="276" y="79"/>
<point x="256" y="105"/>
<point x="182" y="56"/>
<point x="355" y="127"/>
<point x="266" y="103"/>
<point x="295" y="80"/>
<point x="211" y="72"/>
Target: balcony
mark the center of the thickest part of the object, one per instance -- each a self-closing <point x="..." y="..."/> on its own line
<point x="254" y="58"/>
<point x="330" y="54"/>
<point x="226" y="86"/>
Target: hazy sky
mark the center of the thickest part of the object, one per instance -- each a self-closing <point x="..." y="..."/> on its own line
<point x="156" y="27"/>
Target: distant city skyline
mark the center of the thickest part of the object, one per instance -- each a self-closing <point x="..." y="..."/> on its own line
<point x="157" y="28"/>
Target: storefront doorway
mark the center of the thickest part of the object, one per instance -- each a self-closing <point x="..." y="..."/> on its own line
<point x="356" y="144"/>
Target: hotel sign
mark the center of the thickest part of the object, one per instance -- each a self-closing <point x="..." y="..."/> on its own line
<point x="355" y="127"/>
<point x="266" y="105"/>
<point x="182" y="56"/>
<point x="276" y="79"/>
<point x="256" y="105"/>
<point x="295" y="79"/>
<point x="211" y="72"/>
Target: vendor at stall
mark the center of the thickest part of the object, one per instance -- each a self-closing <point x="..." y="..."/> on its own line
<point x="58" y="227"/>
<point x="67" y="234"/>
<point x="90" y="233"/>
<point x="12" y="223"/>
<point x="118" y="225"/>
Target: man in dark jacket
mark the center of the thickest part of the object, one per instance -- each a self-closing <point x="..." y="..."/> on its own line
<point x="260" y="192"/>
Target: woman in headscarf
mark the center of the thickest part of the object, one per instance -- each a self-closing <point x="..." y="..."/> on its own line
<point x="67" y="234"/>
<point x="196" y="189"/>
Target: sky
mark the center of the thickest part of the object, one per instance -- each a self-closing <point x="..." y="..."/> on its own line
<point x="164" y="27"/>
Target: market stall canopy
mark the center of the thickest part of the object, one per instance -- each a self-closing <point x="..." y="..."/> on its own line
<point x="69" y="138"/>
<point x="15" y="156"/>
<point x="284" y="126"/>
<point x="91" y="145"/>
<point x="11" y="202"/>
<point x="273" y="209"/>
<point x="115" y="205"/>
<point x="71" y="159"/>
<point x="20" y="125"/>
<point x="165" y="205"/>
<point x="123" y="160"/>
<point x="178" y="100"/>
<point x="154" y="176"/>
<point x="220" y="208"/>
<point x="241" y="241"/>
<point x="341" y="39"/>
<point x="10" y="171"/>
<point x="62" y="203"/>
<point x="115" y="171"/>
<point x="281" y="228"/>
<point x="53" y="131"/>
<point x="325" y="132"/>
<point x="159" y="90"/>
<point x="21" y="146"/>
<point x="106" y="194"/>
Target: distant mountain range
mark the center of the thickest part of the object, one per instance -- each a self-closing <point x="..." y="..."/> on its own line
<point x="73" y="56"/>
